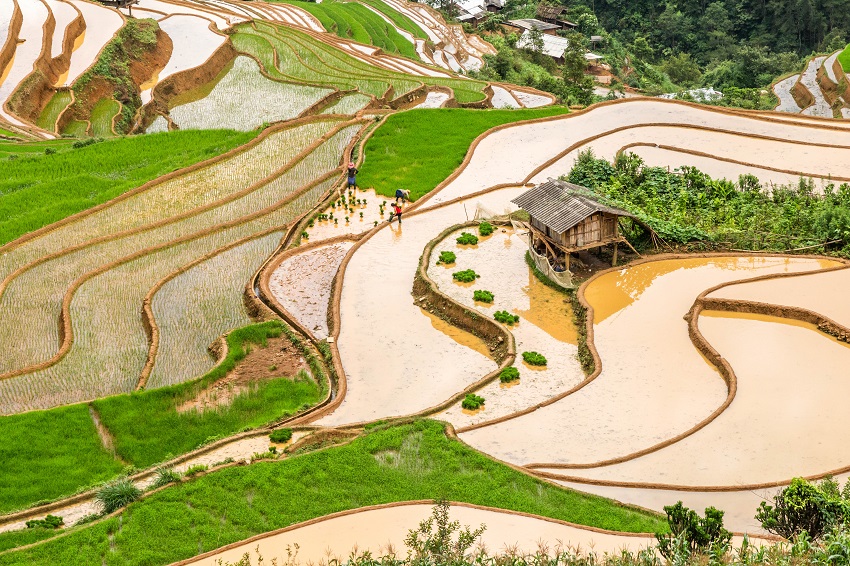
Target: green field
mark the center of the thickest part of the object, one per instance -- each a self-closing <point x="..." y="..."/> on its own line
<point x="38" y="189"/>
<point x="844" y="59"/>
<point x="418" y="149"/>
<point x="49" y="454"/>
<point x="54" y="108"/>
<point x="409" y="462"/>
<point x="354" y="21"/>
<point x="101" y="117"/>
<point x="397" y="18"/>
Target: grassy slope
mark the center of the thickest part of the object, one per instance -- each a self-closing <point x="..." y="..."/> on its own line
<point x="50" y="454"/>
<point x="397" y="18"/>
<point x="237" y="503"/>
<point x="37" y="190"/>
<point x="418" y="149"/>
<point x="844" y="59"/>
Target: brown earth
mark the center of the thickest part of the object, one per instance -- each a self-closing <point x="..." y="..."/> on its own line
<point x="255" y="367"/>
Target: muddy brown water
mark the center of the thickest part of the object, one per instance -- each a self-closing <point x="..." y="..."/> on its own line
<point x="381" y="531"/>
<point x="654" y="383"/>
<point x="787" y="419"/>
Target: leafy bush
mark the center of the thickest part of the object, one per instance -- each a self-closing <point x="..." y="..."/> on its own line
<point x="485" y="229"/>
<point x="509" y="374"/>
<point x="472" y="402"/>
<point x="805" y="507"/>
<point x="690" y="534"/>
<point x="281" y="435"/>
<point x="49" y="522"/>
<point x="467" y="239"/>
<point x="465" y="276"/>
<point x="483" y="296"/>
<point x="118" y="494"/>
<point x="506" y="318"/>
<point x="534" y="359"/>
<point x="446" y="258"/>
<point x="196" y="469"/>
<point x="165" y="476"/>
<point x="427" y="546"/>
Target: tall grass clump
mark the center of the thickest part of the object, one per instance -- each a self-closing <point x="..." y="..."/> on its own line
<point x="118" y="494"/>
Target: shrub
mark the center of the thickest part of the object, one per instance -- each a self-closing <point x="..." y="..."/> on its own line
<point x="447" y="544"/>
<point x="485" y="228"/>
<point x="118" y="494"/>
<point x="483" y="296"/>
<point x="196" y="469"/>
<point x="690" y="534"/>
<point x="803" y="506"/>
<point x="165" y="476"/>
<point x="534" y="359"/>
<point x="446" y="258"/>
<point x="472" y="402"/>
<point x="281" y="435"/>
<point x="49" y="522"/>
<point x="465" y="276"/>
<point x="467" y="239"/>
<point x="509" y="374"/>
<point x="506" y="318"/>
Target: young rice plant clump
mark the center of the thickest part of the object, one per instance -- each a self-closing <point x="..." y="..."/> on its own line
<point x="483" y="296"/>
<point x="472" y="402"/>
<point x="534" y="359"/>
<point x="281" y="435"/>
<point x="465" y="276"/>
<point x="485" y="228"/>
<point x="117" y="494"/>
<point x="509" y="374"/>
<point x="506" y="318"/>
<point x="467" y="239"/>
<point x="446" y="258"/>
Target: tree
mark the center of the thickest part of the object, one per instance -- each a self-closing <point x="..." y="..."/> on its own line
<point x="641" y="48"/>
<point x="805" y="507"/>
<point x="535" y="40"/>
<point x="425" y="546"/>
<point x="682" y="70"/>
<point x="577" y="85"/>
<point x="492" y="22"/>
<point x="690" y="533"/>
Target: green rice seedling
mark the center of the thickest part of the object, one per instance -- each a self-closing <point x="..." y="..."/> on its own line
<point x="534" y="359"/>
<point x="467" y="239"/>
<point x="165" y="476"/>
<point x="54" y="108"/>
<point x="472" y="402"/>
<point x="485" y="229"/>
<point x="506" y="318"/>
<point x="509" y="374"/>
<point x="269" y="455"/>
<point x="483" y="296"/>
<point x="446" y="258"/>
<point x="465" y="276"/>
<point x="281" y="435"/>
<point x="195" y="470"/>
<point x="117" y="494"/>
<point x="49" y="522"/>
<point x="101" y="117"/>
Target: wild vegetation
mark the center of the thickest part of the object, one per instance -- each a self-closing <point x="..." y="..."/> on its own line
<point x="400" y="153"/>
<point x="235" y="503"/>
<point x="39" y="189"/>
<point x="687" y="206"/>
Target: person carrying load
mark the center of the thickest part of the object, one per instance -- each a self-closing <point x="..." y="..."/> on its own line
<point x="402" y="194"/>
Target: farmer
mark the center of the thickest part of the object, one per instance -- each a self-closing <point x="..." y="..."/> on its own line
<point x="402" y="194"/>
<point x="352" y="175"/>
<point x="396" y="211"/>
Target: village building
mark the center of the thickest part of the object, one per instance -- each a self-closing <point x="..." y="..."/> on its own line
<point x="554" y="46"/>
<point x="475" y="11"/>
<point x="554" y="15"/>
<point x="528" y="24"/>
<point x="565" y="219"/>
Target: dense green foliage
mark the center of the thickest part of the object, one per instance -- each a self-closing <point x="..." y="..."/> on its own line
<point x="117" y="494"/>
<point x="472" y="402"/>
<point x="844" y="59"/>
<point x="509" y="374"/>
<point x="38" y="189"/>
<point x="414" y="461"/>
<point x="401" y="153"/>
<point x="467" y="239"/>
<point x="148" y="429"/>
<point x="687" y="205"/>
<point x="506" y="318"/>
<point x="67" y="454"/>
<point x="465" y="276"/>
<point x="49" y="522"/>
<point x="534" y="358"/>
<point x="351" y="20"/>
<point x="691" y="534"/>
<point x="485" y="228"/>
<point x="14" y="539"/>
<point x="483" y="296"/>
<point x="805" y="507"/>
<point x="446" y="258"/>
<point x="281" y="435"/>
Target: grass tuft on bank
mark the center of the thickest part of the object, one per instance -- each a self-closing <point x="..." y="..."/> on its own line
<point x="418" y="149"/>
<point x="844" y="59"/>
<point x="408" y="462"/>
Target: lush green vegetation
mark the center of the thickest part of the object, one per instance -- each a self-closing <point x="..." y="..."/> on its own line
<point x="467" y="239"/>
<point x="118" y="494"/>
<point x="472" y="402"/>
<point x="67" y="455"/>
<point x="506" y="318"/>
<point x="413" y="461"/>
<point x="54" y="107"/>
<point x="401" y="152"/>
<point x="354" y="21"/>
<point x="101" y="117"/>
<point x="37" y="189"/>
<point x="509" y="374"/>
<point x="14" y="539"/>
<point x="281" y="435"/>
<point x="803" y="507"/>
<point x="485" y="228"/>
<point x="483" y="296"/>
<point x="148" y="429"/>
<point x="465" y="276"/>
<point x="397" y="18"/>
<point x="534" y="358"/>
<point x="689" y="206"/>
<point x="446" y="258"/>
<point x="49" y="522"/>
<point x="844" y="59"/>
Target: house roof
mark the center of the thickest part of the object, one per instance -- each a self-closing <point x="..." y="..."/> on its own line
<point x="553" y="45"/>
<point x="561" y="205"/>
<point x="546" y="11"/>
<point x="531" y="23"/>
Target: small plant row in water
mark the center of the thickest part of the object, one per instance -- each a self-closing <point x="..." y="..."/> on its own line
<point x="506" y="318"/>
<point x="483" y="296"/>
<point x="446" y="258"/>
<point x="465" y="276"/>
<point x="467" y="239"/>
<point x="49" y="522"/>
<point x="472" y="402"/>
<point x="509" y="374"/>
<point x="534" y="359"/>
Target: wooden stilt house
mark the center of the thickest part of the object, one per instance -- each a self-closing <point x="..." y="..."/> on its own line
<point x="566" y="218"/>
